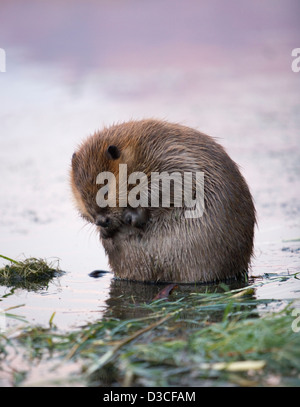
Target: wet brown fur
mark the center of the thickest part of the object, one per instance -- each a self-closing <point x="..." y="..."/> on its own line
<point x="170" y="248"/>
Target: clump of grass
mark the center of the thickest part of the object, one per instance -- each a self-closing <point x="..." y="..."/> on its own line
<point x="199" y="339"/>
<point x="220" y="338"/>
<point x="31" y="273"/>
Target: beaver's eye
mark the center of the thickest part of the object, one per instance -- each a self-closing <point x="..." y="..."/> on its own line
<point x="113" y="152"/>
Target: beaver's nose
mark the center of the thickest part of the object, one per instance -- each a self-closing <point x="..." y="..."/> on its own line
<point x="136" y="218"/>
<point x="102" y="220"/>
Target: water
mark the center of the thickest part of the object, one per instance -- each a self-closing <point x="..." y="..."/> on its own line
<point x="231" y="79"/>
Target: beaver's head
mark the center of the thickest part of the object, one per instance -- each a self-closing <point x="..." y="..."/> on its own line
<point x="95" y="186"/>
<point x="93" y="158"/>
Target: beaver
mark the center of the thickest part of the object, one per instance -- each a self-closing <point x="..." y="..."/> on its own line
<point x="160" y="243"/>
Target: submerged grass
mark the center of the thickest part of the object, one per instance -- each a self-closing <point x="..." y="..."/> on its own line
<point x="227" y="338"/>
<point x="31" y="273"/>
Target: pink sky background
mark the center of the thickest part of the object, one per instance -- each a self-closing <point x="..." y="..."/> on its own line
<point x="134" y="34"/>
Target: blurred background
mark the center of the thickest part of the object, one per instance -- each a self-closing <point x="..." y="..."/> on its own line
<point x="223" y="67"/>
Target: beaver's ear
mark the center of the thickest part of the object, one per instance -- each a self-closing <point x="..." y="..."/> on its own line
<point x="113" y="152"/>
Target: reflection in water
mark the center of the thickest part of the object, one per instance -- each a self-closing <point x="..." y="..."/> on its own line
<point x="192" y="307"/>
<point x="126" y="298"/>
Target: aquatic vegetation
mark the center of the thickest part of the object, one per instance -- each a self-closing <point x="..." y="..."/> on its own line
<point x="212" y="338"/>
<point x="31" y="273"/>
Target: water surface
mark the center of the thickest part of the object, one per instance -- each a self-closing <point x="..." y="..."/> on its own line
<point x="72" y="70"/>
